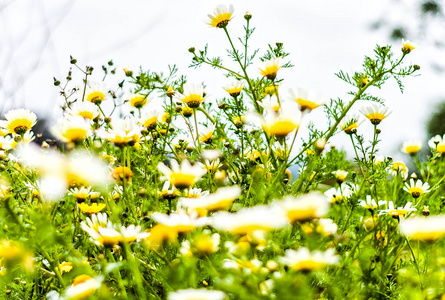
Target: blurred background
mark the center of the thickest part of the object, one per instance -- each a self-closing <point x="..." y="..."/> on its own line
<point x="323" y="37"/>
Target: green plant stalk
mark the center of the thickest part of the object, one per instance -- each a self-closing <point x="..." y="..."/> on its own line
<point x="135" y="270"/>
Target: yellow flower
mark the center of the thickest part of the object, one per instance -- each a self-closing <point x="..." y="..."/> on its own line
<point x="399" y="168"/>
<point x="407" y="46"/>
<point x="350" y="123"/>
<point x="122" y="173"/>
<point x="271" y="67"/>
<point x="83" y="287"/>
<point x="424" y="229"/>
<point x="221" y="16"/>
<point x="94" y="208"/>
<point x="19" y="121"/>
<point x="307" y="100"/>
<point x="416" y="188"/>
<point x="84" y="109"/>
<point x="206" y="134"/>
<point x="73" y="129"/>
<point x="305" y="207"/>
<point x="65" y="267"/>
<point x="303" y="260"/>
<point x="234" y="87"/>
<point x="183" y="176"/>
<point x="221" y="199"/>
<point x="81" y="194"/>
<point x="150" y="119"/>
<point x="137" y="100"/>
<point x="159" y="234"/>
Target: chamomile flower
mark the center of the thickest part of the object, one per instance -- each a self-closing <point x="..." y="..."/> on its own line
<point x="375" y="112"/>
<point x="96" y="92"/>
<point x="234" y="87"/>
<point x="6" y="142"/>
<point x="206" y="133"/>
<point x="168" y="193"/>
<point x="248" y="220"/>
<point x="280" y="125"/>
<point x="74" y="129"/>
<point x="370" y="203"/>
<point x="221" y="16"/>
<point x="271" y="67"/>
<point x="398" y="168"/>
<point x="350" y="123"/>
<point x="340" y="175"/>
<point x="407" y="46"/>
<point x="438" y="143"/>
<point x="194" y="294"/>
<point x="94" y="208"/>
<point x="132" y="233"/>
<point x="338" y="195"/>
<point x="270" y="103"/>
<point x="19" y="121"/>
<point x="397" y="212"/>
<point x="83" y="286"/>
<point x="150" y="119"/>
<point x="193" y="94"/>
<point x="123" y="132"/>
<point x="416" y="188"/>
<point x="306" y="100"/>
<point x="81" y="193"/>
<point x="411" y="147"/>
<point x="220" y="200"/>
<point x="179" y="221"/>
<point x="94" y="221"/>
<point x="304" y="260"/>
<point x="84" y="109"/>
<point x="136" y="100"/>
<point x="183" y="176"/>
<point x="424" y="229"/>
<point x="305" y="207"/>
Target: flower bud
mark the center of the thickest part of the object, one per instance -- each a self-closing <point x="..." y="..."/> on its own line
<point x="247" y="16"/>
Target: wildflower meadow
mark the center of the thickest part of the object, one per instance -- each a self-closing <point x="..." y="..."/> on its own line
<point x="240" y="197"/>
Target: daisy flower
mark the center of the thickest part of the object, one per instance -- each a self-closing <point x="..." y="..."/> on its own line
<point x="19" y="121"/>
<point x="94" y="208"/>
<point x="340" y="175"/>
<point x="81" y="193"/>
<point x="183" y="176"/>
<point x="137" y="100"/>
<point x="438" y="143"/>
<point x="168" y="193"/>
<point x="206" y="133"/>
<point x="370" y="203"/>
<point x="407" y="46"/>
<point x="398" y="168"/>
<point x="416" y="188"/>
<point x="271" y="67"/>
<point x="270" y="103"/>
<point x="280" y="125"/>
<point x="96" y="92"/>
<point x="375" y="112"/>
<point x="84" y="109"/>
<point x="74" y="129"/>
<point x="303" y="260"/>
<point x="350" y="123"/>
<point x="83" y="286"/>
<point x="304" y="207"/>
<point x="424" y="229"/>
<point x="132" y="233"/>
<point x="411" y="147"/>
<point x="306" y="100"/>
<point x="234" y="87"/>
<point x="221" y="199"/>
<point x="193" y="294"/>
<point x="179" y="221"/>
<point x="150" y="119"/>
<point x="397" y="212"/>
<point x="193" y="94"/>
<point x="338" y="195"/>
<point x="221" y="16"/>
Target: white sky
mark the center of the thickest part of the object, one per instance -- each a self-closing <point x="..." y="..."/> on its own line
<point x="323" y="37"/>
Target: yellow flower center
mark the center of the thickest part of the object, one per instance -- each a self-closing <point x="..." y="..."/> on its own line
<point x="296" y="215"/>
<point x="307" y="265"/>
<point x="75" y="134"/>
<point x="91" y="209"/>
<point x="306" y="104"/>
<point x="182" y="181"/>
<point x="221" y="20"/>
<point x="19" y="126"/>
<point x="138" y="101"/>
<point x="206" y="138"/>
<point x="270" y="71"/>
<point x="86" y="114"/>
<point x="193" y="100"/>
<point x="150" y="123"/>
<point x="282" y="128"/>
<point x="441" y="148"/>
<point x="412" y="149"/>
<point x="96" y="97"/>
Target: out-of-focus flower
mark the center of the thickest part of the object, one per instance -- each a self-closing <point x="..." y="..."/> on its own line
<point x="303" y="260"/>
<point x="137" y="100"/>
<point x="340" y="175"/>
<point x="96" y="92"/>
<point x="416" y="188"/>
<point x="124" y="132"/>
<point x="251" y="219"/>
<point x="375" y="112"/>
<point x="19" y="121"/>
<point x="411" y="147"/>
<point x="14" y="254"/>
<point x="282" y="123"/>
<point x="221" y="16"/>
<point x="398" y="168"/>
<point x="73" y="129"/>
<point x="270" y="103"/>
<point x="338" y="195"/>
<point x="271" y="67"/>
<point x="168" y="194"/>
<point x="438" y="143"/>
<point x="221" y="199"/>
<point x="183" y="176"/>
<point x="84" y="109"/>
<point x="94" y="208"/>
<point x="193" y="94"/>
<point x="424" y="229"/>
<point x="370" y="203"/>
<point x="122" y="173"/>
<point x="201" y="244"/>
<point x="397" y="212"/>
<point x="194" y="294"/>
<point x="83" y="286"/>
<point x="65" y="267"/>
<point x="304" y="207"/>
<point x="150" y="119"/>
<point x="81" y="193"/>
<point x="407" y="46"/>
<point x="306" y="100"/>
<point x="132" y="233"/>
<point x="7" y="142"/>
